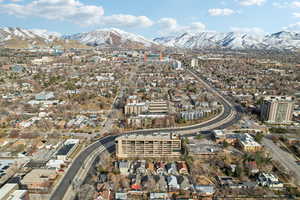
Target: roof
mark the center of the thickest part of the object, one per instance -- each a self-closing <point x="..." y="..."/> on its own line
<point x="153" y="136"/>
<point x="64" y="150"/>
<point x="205" y="188"/>
<point x="7" y="189"/>
<point x="39" y="176"/>
<point x="17" y="195"/>
<point x="121" y="196"/>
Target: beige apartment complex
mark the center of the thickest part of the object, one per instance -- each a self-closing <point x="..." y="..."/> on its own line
<point x="151" y="146"/>
<point x="277" y="109"/>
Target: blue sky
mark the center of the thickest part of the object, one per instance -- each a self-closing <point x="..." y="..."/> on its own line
<point x="152" y="18"/>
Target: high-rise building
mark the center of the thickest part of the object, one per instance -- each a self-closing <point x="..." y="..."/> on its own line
<point x="151" y="146"/>
<point x="194" y="62"/>
<point x="277" y="109"/>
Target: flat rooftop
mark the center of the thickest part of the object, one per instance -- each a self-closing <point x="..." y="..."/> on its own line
<point x="153" y="136"/>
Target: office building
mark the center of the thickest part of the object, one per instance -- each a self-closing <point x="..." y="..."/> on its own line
<point x="152" y="146"/>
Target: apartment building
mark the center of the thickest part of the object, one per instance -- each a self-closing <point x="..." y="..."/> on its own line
<point x="158" y="107"/>
<point x="135" y="108"/>
<point x="277" y="109"/>
<point x="154" y="145"/>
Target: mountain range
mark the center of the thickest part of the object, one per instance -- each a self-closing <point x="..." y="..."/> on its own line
<point x="24" y="38"/>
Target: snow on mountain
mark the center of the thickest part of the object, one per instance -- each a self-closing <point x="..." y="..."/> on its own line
<point x="7" y="33"/>
<point x="111" y="37"/>
<point x="233" y="40"/>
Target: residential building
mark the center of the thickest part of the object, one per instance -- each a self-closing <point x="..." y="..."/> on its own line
<point x="154" y="145"/>
<point x="269" y="180"/>
<point x="277" y="109"/>
<point x="135" y="108"/>
<point x="158" y="107"/>
<point x="194" y="62"/>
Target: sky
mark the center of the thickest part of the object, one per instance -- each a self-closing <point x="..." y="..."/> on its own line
<point x="152" y="18"/>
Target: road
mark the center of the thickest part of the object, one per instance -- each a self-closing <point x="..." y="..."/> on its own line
<point x="229" y="117"/>
<point x="285" y="158"/>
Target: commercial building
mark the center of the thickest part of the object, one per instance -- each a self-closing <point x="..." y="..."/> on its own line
<point x="67" y="149"/>
<point x="39" y="180"/>
<point x="10" y="191"/>
<point x="247" y="143"/>
<point x="154" y="145"/>
<point x="277" y="109"/>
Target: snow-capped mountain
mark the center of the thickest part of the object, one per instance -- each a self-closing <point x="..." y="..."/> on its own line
<point x="112" y="37"/>
<point x="233" y="40"/>
<point x="25" y="38"/>
<point x="7" y="33"/>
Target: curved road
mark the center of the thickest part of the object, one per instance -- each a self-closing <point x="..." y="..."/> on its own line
<point x="229" y="117"/>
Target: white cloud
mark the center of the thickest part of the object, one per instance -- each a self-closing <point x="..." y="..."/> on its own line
<point x="126" y="20"/>
<point x="293" y="27"/>
<point x="170" y="26"/>
<point x="252" y="30"/>
<point x="295" y="4"/>
<point x="73" y="11"/>
<point x="220" y="11"/>
<point x="297" y="15"/>
<point x="285" y="4"/>
<point x="252" y="2"/>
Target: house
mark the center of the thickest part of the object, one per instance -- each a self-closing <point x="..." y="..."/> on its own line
<point x="44" y="96"/>
<point x="160" y="167"/>
<point x="161" y="183"/>
<point x="184" y="182"/>
<point x="252" y="167"/>
<point x="171" y="168"/>
<point x="205" y="190"/>
<point x="124" y="167"/>
<point x="121" y="196"/>
<point x="150" y="167"/>
<point x="182" y="168"/>
<point x="173" y="183"/>
<point x="157" y="196"/>
<point x="269" y="180"/>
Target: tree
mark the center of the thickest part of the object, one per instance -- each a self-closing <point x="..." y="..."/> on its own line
<point x="238" y="171"/>
<point x="258" y="137"/>
<point x="225" y="144"/>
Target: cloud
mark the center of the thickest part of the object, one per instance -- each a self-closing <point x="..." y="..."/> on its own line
<point x="220" y="11"/>
<point x="293" y="27"/>
<point x="252" y="2"/>
<point x="297" y="15"/>
<point x="170" y="26"/>
<point x="127" y="20"/>
<point x="73" y="11"/>
<point x="252" y="30"/>
<point x="295" y="4"/>
<point x="285" y="4"/>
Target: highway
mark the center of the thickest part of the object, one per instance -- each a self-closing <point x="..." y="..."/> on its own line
<point x="228" y="117"/>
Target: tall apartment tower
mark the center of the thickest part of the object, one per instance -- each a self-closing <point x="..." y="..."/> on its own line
<point x="277" y="109"/>
<point x="194" y="62"/>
